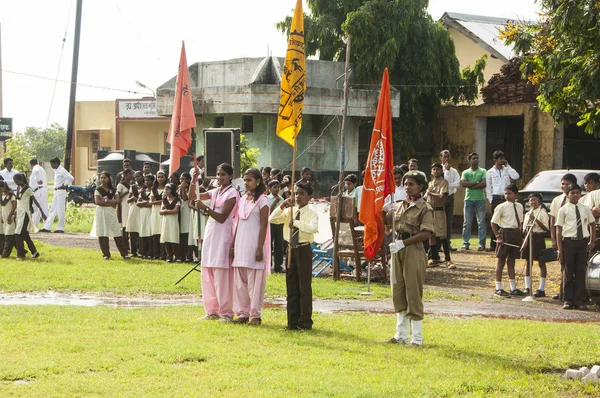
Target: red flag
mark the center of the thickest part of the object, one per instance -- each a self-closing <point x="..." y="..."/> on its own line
<point x="183" y="119"/>
<point x="379" y="173"/>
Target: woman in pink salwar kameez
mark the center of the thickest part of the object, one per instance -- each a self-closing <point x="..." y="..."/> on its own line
<point x="252" y="250"/>
<point x="217" y="276"/>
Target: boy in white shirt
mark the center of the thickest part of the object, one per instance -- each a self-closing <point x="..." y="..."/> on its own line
<point x="538" y="219"/>
<point x="506" y="224"/>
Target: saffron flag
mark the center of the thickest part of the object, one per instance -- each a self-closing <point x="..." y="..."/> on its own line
<point x="293" y="82"/>
<point x="379" y="173"/>
<point x="183" y="119"/>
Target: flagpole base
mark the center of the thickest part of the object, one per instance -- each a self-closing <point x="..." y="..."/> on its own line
<point x="529" y="299"/>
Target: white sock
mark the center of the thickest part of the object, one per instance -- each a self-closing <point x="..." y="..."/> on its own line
<point x="542" y="283"/>
<point x="498" y="285"/>
<point x="527" y="282"/>
<point x="513" y="284"/>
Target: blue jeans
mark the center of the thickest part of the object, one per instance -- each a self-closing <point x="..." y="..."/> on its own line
<point x="477" y="207"/>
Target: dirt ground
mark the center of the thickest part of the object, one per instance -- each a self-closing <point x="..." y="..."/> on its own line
<point x="472" y="282"/>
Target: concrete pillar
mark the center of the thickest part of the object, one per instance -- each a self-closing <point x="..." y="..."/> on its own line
<point x="559" y="142"/>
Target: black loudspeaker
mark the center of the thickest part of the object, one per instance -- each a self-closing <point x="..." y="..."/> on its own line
<point x="221" y="145"/>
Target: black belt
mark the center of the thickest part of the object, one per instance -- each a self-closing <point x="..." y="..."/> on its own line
<point x="38" y="188"/>
<point x="61" y="188"/>
<point x="539" y="233"/>
<point x="301" y="244"/>
<point x="440" y="208"/>
<point x="510" y="229"/>
<point x="575" y="239"/>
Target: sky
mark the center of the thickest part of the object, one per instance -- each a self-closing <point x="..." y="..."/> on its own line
<point x="125" y="41"/>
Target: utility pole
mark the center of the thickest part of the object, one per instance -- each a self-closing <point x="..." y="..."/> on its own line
<point x="338" y="220"/>
<point x="0" y="70"/>
<point x="71" y="121"/>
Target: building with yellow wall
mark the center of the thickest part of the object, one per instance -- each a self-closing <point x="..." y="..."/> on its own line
<point x="115" y="125"/>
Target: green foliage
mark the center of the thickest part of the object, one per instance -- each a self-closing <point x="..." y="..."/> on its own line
<point x="561" y="56"/>
<point x="79" y="218"/>
<point x="46" y="144"/>
<point x="399" y="35"/>
<point x="248" y="156"/>
<point x="18" y="149"/>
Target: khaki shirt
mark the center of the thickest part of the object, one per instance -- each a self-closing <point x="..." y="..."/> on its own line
<point x="567" y="219"/>
<point x="541" y="216"/>
<point x="437" y="186"/>
<point x="414" y="218"/>
<point x="556" y="204"/>
<point x="307" y="225"/>
<point x="505" y="217"/>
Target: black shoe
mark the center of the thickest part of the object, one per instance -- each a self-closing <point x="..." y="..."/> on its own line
<point x="44" y="230"/>
<point x="290" y="328"/>
<point x="527" y="291"/>
<point x="126" y="257"/>
<point x="501" y="293"/>
<point x="452" y="248"/>
<point x="581" y="307"/>
<point x="568" y="306"/>
<point x="35" y="255"/>
<point x="302" y="328"/>
<point x="59" y="231"/>
<point x="557" y="297"/>
<point x="517" y="292"/>
<point x="539" y="293"/>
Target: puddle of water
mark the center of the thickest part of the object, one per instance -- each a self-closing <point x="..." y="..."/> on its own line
<point x="90" y="301"/>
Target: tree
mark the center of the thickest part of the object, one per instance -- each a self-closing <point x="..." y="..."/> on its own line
<point x="18" y="149"/>
<point x="48" y="143"/>
<point x="561" y="56"/>
<point x="401" y="35"/>
<point x="248" y="156"/>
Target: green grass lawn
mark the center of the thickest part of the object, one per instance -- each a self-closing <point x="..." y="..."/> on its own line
<point x="83" y="270"/>
<point x="100" y="351"/>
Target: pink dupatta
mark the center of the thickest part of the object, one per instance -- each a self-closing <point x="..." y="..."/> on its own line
<point x="244" y="210"/>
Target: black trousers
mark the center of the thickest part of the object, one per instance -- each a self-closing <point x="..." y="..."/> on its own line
<point x="134" y="239"/>
<point x="146" y="246"/>
<point x="496" y="200"/>
<point x="434" y="250"/>
<point x="172" y="251"/>
<point x="126" y="239"/>
<point x="22" y="238"/>
<point x="298" y="281"/>
<point x="103" y="241"/>
<point x="449" y="207"/>
<point x="184" y="249"/>
<point x="277" y="246"/>
<point x="575" y="262"/>
<point x="7" y="244"/>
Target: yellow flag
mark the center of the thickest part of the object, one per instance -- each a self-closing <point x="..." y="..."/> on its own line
<point x="293" y="82"/>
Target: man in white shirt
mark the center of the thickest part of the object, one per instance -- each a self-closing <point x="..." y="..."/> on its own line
<point x="8" y="174"/>
<point x="497" y="179"/>
<point x="62" y="179"/>
<point x="38" y="183"/>
<point x="453" y="178"/>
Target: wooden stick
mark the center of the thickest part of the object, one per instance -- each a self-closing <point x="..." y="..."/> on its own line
<point x="289" y="256"/>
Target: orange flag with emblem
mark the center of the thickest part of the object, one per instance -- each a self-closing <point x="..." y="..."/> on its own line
<point x="379" y="173"/>
<point x="293" y="82"/>
<point x="183" y="119"/>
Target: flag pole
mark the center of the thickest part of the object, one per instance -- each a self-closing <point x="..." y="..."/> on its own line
<point x="338" y="217"/>
<point x="289" y="253"/>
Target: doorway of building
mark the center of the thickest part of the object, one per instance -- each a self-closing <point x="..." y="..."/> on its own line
<point x="580" y="150"/>
<point x="505" y="134"/>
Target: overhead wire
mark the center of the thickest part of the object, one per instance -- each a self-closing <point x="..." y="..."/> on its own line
<point x="62" y="50"/>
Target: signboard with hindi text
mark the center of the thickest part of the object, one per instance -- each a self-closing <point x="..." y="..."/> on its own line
<point x="137" y="109"/>
<point x="6" y="129"/>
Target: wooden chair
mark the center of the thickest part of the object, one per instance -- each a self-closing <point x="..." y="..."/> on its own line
<point x="351" y="238"/>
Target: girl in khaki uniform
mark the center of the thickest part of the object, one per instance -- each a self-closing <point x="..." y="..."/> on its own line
<point x="414" y="225"/>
